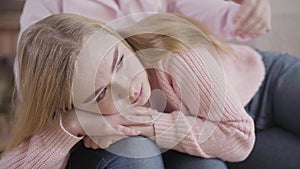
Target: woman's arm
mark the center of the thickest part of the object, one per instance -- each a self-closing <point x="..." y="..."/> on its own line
<point x="211" y="122"/>
<point x="47" y="149"/>
<point x="220" y="16"/>
<point x="35" y="10"/>
<point x="50" y="148"/>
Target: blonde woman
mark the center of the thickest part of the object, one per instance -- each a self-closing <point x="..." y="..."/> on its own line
<point x="173" y="83"/>
<point x="57" y="58"/>
<point x="45" y="132"/>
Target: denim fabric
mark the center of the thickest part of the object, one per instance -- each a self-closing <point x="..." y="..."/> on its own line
<point x="176" y="160"/>
<point x="121" y="156"/>
<point x="275" y="148"/>
<point x="277" y="101"/>
<point x="276" y="112"/>
<point x="129" y="153"/>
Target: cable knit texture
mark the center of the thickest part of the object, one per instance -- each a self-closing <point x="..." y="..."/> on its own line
<point x="47" y="149"/>
<point x="204" y="115"/>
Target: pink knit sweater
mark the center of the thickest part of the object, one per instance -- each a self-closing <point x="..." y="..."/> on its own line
<point x="215" y="125"/>
<point x="47" y="149"/>
<point x="205" y="113"/>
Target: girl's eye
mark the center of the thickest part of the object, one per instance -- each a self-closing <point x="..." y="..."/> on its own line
<point x="120" y="61"/>
<point x="101" y="94"/>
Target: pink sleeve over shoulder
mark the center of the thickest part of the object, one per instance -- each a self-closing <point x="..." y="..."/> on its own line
<point x="47" y="149"/>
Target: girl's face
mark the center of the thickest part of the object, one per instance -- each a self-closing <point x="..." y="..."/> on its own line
<point x="121" y="81"/>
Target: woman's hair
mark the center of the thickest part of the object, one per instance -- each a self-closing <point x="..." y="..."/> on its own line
<point x="170" y="33"/>
<point x="48" y="50"/>
<point x="46" y="56"/>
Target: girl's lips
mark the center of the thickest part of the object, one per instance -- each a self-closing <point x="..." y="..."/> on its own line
<point x="139" y="96"/>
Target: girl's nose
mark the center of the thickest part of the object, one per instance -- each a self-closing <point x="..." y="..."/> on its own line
<point x="120" y="84"/>
<point x="133" y="92"/>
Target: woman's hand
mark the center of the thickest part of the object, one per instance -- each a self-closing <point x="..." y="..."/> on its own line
<point x="82" y="123"/>
<point x="253" y="17"/>
<point x="105" y="141"/>
<point x="141" y="119"/>
<point x="101" y="142"/>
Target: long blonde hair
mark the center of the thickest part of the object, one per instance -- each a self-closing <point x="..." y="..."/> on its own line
<point x="48" y="50"/>
<point x="170" y="33"/>
<point x="46" y="56"/>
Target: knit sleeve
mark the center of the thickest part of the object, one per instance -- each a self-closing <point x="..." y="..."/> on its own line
<point x="208" y="119"/>
<point x="47" y="149"/>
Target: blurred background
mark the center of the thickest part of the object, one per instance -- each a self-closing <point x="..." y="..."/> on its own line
<point x="10" y="11"/>
<point x="284" y="38"/>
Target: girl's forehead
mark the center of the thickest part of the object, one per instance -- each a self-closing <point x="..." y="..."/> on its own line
<point x="93" y="54"/>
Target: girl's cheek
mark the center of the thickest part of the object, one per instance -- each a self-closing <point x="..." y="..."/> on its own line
<point x="107" y="107"/>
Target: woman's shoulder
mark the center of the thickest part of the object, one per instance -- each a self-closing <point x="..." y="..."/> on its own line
<point x="54" y="142"/>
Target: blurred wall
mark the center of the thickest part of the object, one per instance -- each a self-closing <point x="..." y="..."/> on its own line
<point x="10" y="11"/>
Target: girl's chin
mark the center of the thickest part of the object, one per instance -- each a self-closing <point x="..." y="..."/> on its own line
<point x="145" y="99"/>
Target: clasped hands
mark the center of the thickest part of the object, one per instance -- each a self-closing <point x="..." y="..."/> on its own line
<point x="253" y="18"/>
<point x="100" y="131"/>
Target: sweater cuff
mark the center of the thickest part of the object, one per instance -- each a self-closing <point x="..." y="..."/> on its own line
<point x="67" y="132"/>
<point x="59" y="139"/>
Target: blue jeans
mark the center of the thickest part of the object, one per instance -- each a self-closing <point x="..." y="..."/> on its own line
<point x="137" y="153"/>
<point x="129" y="153"/>
<point x="176" y="160"/>
<point x="277" y="101"/>
<point x="276" y="112"/>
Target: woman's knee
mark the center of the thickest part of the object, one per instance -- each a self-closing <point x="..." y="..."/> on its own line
<point x="133" y="152"/>
<point x="135" y="147"/>
<point x="286" y="97"/>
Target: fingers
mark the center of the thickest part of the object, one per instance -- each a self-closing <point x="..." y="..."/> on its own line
<point x="134" y="116"/>
<point x="139" y="120"/>
<point x="101" y="142"/>
<point x="263" y="19"/>
<point x="258" y="30"/>
<point x="247" y="7"/>
<point x="147" y="131"/>
<point x="256" y="22"/>
<point x="123" y="130"/>
<point x="102" y="125"/>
